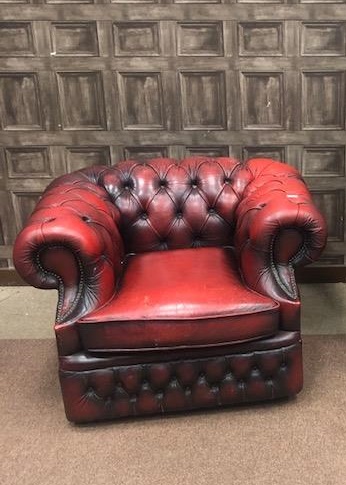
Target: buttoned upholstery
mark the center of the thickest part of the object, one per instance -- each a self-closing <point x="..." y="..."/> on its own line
<point x="151" y="388"/>
<point x="165" y="205"/>
<point x="132" y="249"/>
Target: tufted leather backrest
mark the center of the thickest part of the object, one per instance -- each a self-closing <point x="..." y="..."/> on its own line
<point x="165" y="204"/>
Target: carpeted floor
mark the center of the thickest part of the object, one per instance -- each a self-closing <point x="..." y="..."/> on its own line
<point x="296" y="442"/>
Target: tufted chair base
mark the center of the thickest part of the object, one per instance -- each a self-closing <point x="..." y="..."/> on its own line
<point x="180" y="385"/>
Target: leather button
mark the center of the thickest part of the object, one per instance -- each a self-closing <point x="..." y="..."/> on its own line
<point x="227" y="181"/>
<point x="163" y="183"/>
<point x="179" y="215"/>
<point x="144" y="216"/>
<point x="211" y="211"/>
<point x="128" y="185"/>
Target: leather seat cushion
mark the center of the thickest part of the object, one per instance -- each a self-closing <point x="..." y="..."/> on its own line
<point x="179" y="298"/>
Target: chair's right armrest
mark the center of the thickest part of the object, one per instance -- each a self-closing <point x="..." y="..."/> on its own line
<point x="278" y="228"/>
<point x="72" y="243"/>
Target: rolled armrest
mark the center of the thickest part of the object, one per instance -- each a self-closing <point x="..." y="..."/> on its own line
<point x="278" y="227"/>
<point x="72" y="243"/>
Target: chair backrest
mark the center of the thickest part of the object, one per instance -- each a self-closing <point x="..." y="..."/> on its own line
<point x="165" y="204"/>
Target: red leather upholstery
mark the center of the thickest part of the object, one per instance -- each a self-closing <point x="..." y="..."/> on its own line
<point x="177" y="385"/>
<point x="76" y="219"/>
<point x="278" y="227"/>
<point x="165" y="205"/>
<point x="89" y="223"/>
<point x="198" y="300"/>
<point x="83" y="361"/>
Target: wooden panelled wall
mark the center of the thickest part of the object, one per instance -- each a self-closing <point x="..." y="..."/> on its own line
<point x="85" y="82"/>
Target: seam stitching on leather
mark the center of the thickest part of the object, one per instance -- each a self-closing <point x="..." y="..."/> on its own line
<point x="292" y="293"/>
<point x="59" y="316"/>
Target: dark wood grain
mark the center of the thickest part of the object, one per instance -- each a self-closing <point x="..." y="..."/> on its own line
<point x="97" y="81"/>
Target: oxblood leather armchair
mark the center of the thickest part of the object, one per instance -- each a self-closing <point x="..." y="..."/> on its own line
<point x="176" y="282"/>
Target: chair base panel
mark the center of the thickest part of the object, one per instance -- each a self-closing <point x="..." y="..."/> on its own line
<point x="83" y="360"/>
<point x="181" y="385"/>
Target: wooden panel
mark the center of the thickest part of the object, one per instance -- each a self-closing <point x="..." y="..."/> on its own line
<point x="82" y="157"/>
<point x="86" y="82"/>
<point x="75" y="12"/>
<point x="24" y="204"/>
<point x="222" y="151"/>
<point x="137" y="39"/>
<point x="16" y="39"/>
<point x="81" y="100"/>
<point x="323" y="100"/>
<point x="196" y="1"/>
<point x="70" y="39"/>
<point x="19" y="102"/>
<point x="327" y="260"/>
<point x="32" y="162"/>
<point x="260" y="1"/>
<point x="321" y="274"/>
<point x="203" y="100"/>
<point x="199" y="39"/>
<point x="145" y="153"/>
<point x="277" y="153"/>
<point x="332" y="204"/>
<point x="69" y="1"/>
<point x="262" y="100"/>
<point x="15" y="1"/>
<point x="2" y="239"/>
<point x="141" y="101"/>
<point x="261" y="39"/>
<point x="3" y="261"/>
<point x="323" y="39"/>
<point x="323" y="161"/>
<point x="7" y="231"/>
<point x="320" y="1"/>
<point x="135" y="1"/>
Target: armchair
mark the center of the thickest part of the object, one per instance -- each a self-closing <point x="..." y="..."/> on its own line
<point x="176" y="282"/>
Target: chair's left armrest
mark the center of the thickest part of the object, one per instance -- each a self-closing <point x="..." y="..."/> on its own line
<point x="72" y="243"/>
<point x="278" y="228"/>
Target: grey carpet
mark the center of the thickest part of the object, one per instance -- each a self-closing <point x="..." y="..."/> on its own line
<point x="300" y="441"/>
